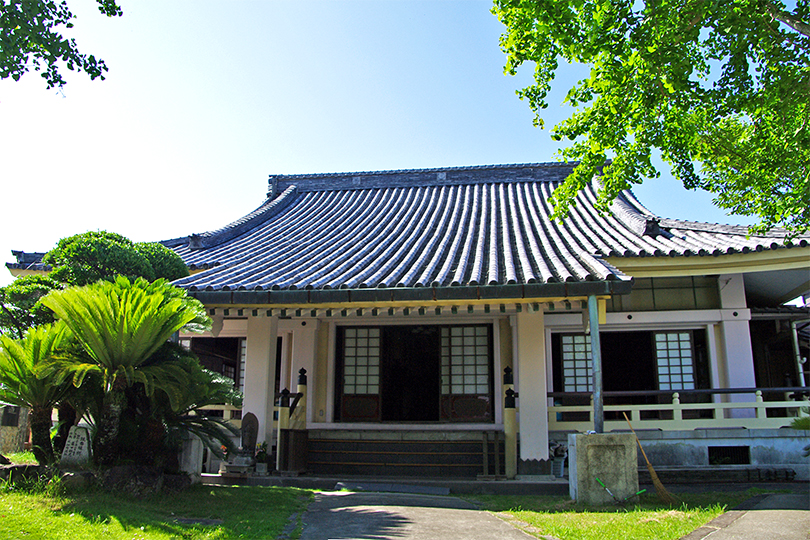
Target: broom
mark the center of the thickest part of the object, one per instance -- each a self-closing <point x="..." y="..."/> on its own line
<point x="665" y="496"/>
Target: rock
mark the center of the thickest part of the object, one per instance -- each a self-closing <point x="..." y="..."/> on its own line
<point x="77" y="481"/>
<point x="17" y="473"/>
<point x="174" y="483"/>
<point x="134" y="480"/>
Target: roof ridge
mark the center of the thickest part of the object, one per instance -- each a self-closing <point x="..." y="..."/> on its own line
<point x="269" y="208"/>
<point x="569" y="164"/>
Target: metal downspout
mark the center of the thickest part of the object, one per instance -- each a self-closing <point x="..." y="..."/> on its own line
<point x="596" y="356"/>
<point x="794" y="326"/>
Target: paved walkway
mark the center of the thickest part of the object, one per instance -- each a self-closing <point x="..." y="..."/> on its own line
<point x="392" y="516"/>
<point x="346" y="515"/>
<point x="770" y="517"/>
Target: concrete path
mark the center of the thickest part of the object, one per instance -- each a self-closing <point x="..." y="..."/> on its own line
<point x="346" y="515"/>
<point x="770" y="517"/>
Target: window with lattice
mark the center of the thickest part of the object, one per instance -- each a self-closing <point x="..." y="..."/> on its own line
<point x="465" y="360"/>
<point x="577" y="363"/>
<point x="361" y="361"/>
<point x="674" y="355"/>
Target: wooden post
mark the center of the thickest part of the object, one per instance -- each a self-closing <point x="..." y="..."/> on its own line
<point x="299" y="416"/>
<point x="510" y="434"/>
<point x="283" y="424"/>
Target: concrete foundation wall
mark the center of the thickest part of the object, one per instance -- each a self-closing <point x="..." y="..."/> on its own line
<point x="690" y="449"/>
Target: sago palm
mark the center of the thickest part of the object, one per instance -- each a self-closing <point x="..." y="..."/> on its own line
<point x="20" y="363"/>
<point x="120" y="325"/>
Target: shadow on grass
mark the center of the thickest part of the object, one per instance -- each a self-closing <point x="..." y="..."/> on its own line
<point x="236" y="512"/>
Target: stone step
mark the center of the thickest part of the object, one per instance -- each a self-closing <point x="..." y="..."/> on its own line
<point x="401" y="458"/>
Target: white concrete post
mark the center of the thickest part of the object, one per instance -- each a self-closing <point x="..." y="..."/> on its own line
<point x="531" y="384"/>
<point x="260" y="373"/>
<point x="304" y="351"/>
<point x="736" y="340"/>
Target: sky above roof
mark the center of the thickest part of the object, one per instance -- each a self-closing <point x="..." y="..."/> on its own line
<point x="204" y="99"/>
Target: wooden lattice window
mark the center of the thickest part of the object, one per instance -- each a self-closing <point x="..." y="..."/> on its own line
<point x="674" y="353"/>
<point x="577" y="363"/>
<point x="361" y="361"/>
<point x="465" y="360"/>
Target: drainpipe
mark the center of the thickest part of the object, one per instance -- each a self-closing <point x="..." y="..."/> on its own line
<point x="794" y="326"/>
<point x="596" y="356"/>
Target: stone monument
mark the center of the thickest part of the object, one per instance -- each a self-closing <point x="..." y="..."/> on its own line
<point x="243" y="461"/>
<point x="77" y="448"/>
<point x="602" y="458"/>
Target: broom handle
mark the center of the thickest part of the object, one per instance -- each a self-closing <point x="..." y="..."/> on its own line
<point x="636" y="436"/>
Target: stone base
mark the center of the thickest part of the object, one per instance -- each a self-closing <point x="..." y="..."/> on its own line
<point x="609" y="457"/>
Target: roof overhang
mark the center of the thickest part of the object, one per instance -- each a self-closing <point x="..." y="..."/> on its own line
<point x="416" y="297"/>
<point x="703" y="265"/>
<point x="772" y="277"/>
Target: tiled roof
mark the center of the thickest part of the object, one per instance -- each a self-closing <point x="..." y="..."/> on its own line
<point x="28" y="261"/>
<point x="444" y="229"/>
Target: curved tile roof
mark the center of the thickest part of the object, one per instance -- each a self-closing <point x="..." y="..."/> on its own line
<point x="466" y="226"/>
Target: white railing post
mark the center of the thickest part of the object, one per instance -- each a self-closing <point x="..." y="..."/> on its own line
<point x="677" y="411"/>
<point x="760" y="408"/>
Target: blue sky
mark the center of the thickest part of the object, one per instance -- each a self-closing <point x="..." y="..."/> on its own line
<point x="204" y="99"/>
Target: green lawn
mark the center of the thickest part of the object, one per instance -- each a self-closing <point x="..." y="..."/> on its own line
<point x="264" y="512"/>
<point x="647" y="520"/>
<point x="245" y="512"/>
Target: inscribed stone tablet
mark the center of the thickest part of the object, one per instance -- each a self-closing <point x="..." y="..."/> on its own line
<point x="77" y="447"/>
<point x="250" y="431"/>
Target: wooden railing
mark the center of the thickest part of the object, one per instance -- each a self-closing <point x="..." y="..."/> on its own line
<point x="228" y="412"/>
<point x="682" y="410"/>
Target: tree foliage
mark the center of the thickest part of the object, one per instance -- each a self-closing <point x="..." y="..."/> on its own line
<point x="22" y="384"/>
<point x="20" y="306"/>
<point x="721" y="88"/>
<point x="120" y="325"/>
<point x="31" y="36"/>
<point x="84" y="258"/>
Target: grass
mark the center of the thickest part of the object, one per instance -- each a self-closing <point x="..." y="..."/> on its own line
<point x="46" y="511"/>
<point x="646" y="520"/>
<point x="38" y="512"/>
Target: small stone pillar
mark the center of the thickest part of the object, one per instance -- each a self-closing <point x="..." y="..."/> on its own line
<point x="610" y="457"/>
<point x="191" y="457"/>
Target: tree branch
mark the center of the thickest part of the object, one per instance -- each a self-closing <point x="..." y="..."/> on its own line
<point x="785" y="17"/>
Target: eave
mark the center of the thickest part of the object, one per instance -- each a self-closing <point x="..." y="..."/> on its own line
<point x="702" y="265"/>
<point x="427" y="297"/>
